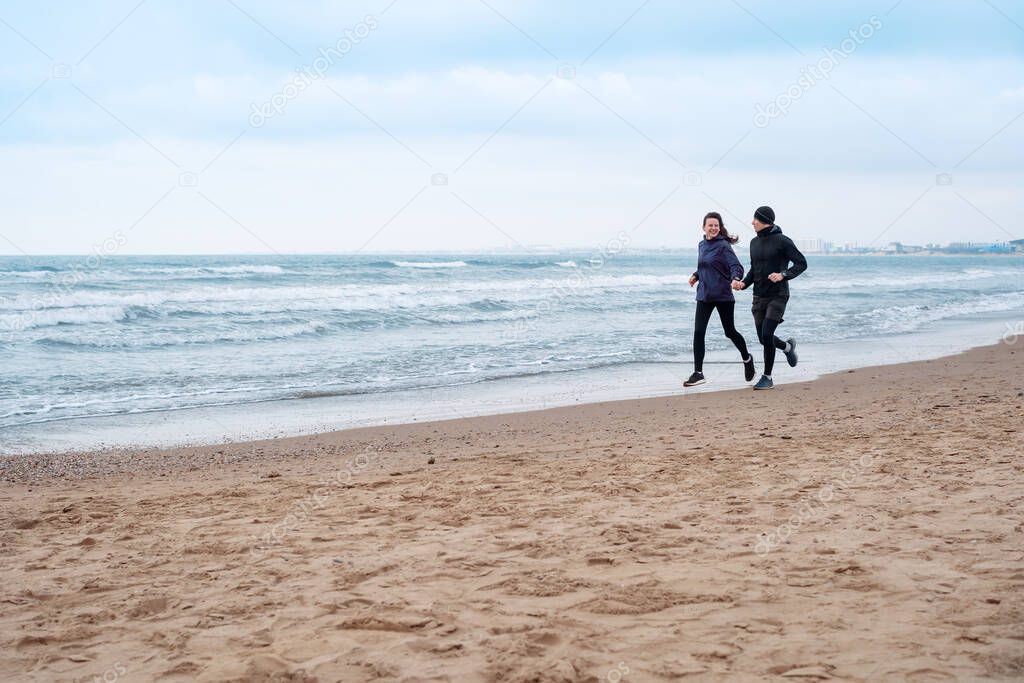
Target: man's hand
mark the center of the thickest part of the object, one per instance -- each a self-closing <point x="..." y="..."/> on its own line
<point x="738" y="285"/>
<point x="776" y="277"/>
<point x="693" y="280"/>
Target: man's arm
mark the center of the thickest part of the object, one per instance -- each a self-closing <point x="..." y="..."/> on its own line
<point x="798" y="260"/>
<point x="748" y="279"/>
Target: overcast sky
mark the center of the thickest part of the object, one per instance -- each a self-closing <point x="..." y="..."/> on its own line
<point x="465" y="124"/>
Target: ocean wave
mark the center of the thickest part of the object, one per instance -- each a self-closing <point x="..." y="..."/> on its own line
<point x="45" y="408"/>
<point x="871" y="283"/>
<point x="77" y="273"/>
<point x="272" y="270"/>
<point x="33" y="274"/>
<point x="150" y="339"/>
<point x="429" y="264"/>
<point x="245" y="269"/>
<point x="369" y="296"/>
<point x="911" y="317"/>
<point x="31" y="319"/>
<point x="148" y="402"/>
<point x="251" y="330"/>
<point x="566" y="264"/>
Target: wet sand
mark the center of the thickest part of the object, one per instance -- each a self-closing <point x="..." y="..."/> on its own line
<point x="865" y="526"/>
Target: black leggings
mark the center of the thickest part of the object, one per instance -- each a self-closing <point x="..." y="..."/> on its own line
<point x="700" y="328"/>
<point x="766" y="335"/>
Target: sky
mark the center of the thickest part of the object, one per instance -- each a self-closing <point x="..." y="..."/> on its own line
<point x="252" y="126"/>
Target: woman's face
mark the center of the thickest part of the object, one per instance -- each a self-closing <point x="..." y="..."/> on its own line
<point x="712" y="228"/>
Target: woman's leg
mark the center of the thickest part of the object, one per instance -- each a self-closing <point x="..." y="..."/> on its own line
<point x="700" y="328"/>
<point x="726" y="313"/>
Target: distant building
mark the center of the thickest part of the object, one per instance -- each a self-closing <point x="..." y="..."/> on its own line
<point x="813" y="246"/>
<point x="851" y="248"/>
<point x="980" y="247"/>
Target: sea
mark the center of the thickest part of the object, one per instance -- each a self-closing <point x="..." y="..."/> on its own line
<point x="128" y="351"/>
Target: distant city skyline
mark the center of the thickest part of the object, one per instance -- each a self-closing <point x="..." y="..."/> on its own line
<point x="252" y="127"/>
<point x="815" y="246"/>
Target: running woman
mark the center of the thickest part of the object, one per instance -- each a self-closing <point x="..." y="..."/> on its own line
<point x="774" y="261"/>
<point x="717" y="267"/>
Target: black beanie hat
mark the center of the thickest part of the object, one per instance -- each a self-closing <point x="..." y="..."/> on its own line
<point x="765" y="214"/>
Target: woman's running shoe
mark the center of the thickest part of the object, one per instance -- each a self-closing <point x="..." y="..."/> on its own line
<point x="695" y="379"/>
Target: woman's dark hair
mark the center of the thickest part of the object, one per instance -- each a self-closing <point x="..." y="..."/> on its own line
<point x="731" y="239"/>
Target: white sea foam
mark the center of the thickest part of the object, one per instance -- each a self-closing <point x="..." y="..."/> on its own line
<point x="85" y="315"/>
<point x="429" y="264"/>
<point x="79" y="272"/>
<point x="911" y="317"/>
<point x="369" y="296"/>
<point x="872" y="281"/>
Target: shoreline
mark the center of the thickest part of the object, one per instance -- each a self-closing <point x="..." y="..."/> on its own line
<point x="227" y="424"/>
<point x="130" y="459"/>
<point x="862" y="526"/>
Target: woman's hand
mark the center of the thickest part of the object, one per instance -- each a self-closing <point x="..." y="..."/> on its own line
<point x="693" y="280"/>
<point x="776" y="277"/>
<point x="738" y="285"/>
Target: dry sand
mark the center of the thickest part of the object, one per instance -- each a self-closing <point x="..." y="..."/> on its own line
<point x="609" y="542"/>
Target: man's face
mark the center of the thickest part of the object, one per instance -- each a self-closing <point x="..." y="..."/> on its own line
<point x="758" y="225"/>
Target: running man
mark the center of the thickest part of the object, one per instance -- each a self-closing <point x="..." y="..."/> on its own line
<point x="774" y="261"/>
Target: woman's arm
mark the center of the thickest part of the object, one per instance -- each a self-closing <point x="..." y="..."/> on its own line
<point x="735" y="267"/>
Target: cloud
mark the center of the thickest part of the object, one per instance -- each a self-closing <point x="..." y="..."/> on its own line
<point x="318" y="195"/>
<point x="550" y="154"/>
<point x="872" y="113"/>
<point x="1013" y="94"/>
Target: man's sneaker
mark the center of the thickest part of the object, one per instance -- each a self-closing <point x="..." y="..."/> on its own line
<point x="764" y="383"/>
<point x="695" y="379"/>
<point x="748" y="368"/>
<point x="791" y="354"/>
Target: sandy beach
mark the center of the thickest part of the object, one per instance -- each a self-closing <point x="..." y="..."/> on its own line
<point x="865" y="526"/>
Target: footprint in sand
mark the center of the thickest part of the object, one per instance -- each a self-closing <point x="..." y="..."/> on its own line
<point x="642" y="599"/>
<point x="929" y="676"/>
<point x="541" y="584"/>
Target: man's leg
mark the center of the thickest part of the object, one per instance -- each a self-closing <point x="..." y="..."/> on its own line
<point x="770" y="343"/>
<point x="760" y="311"/>
<point x="776" y="309"/>
<point x="779" y="344"/>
